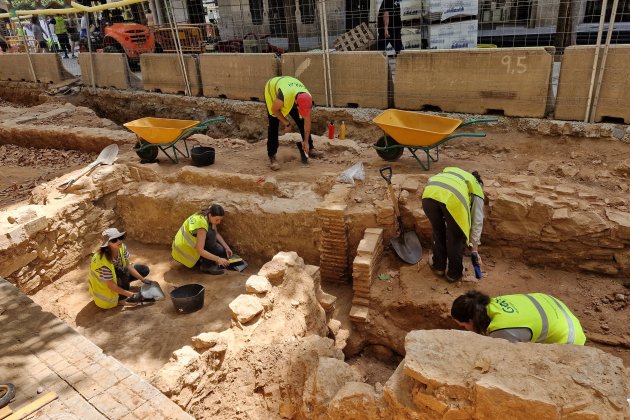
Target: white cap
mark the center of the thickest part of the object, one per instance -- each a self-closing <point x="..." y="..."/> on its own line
<point x="109" y="234"/>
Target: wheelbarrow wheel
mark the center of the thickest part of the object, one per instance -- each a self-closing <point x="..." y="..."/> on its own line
<point x="146" y="155"/>
<point x="391" y="154"/>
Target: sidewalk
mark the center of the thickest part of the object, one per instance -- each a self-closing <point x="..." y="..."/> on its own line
<point x="39" y="350"/>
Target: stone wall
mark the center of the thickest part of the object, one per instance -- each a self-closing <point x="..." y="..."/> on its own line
<point x="40" y="242"/>
<point x="461" y="375"/>
<point x="542" y="221"/>
<point x="274" y="363"/>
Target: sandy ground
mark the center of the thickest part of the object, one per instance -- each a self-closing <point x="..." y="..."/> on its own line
<point x="143" y="338"/>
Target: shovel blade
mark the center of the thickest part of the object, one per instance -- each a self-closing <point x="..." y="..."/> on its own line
<point x="407" y="247"/>
<point x="152" y="290"/>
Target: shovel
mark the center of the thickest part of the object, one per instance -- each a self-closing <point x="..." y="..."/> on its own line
<point x="406" y="244"/>
<point x="107" y="156"/>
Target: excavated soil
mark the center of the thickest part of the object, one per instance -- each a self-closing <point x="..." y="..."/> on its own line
<point x="144" y="337"/>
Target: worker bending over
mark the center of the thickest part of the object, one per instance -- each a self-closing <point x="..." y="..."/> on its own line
<point x="453" y="201"/>
<point x="532" y="317"/>
<point x="286" y="96"/>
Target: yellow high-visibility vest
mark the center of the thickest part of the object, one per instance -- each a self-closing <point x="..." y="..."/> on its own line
<point x="60" y="26"/>
<point x="290" y="87"/>
<point x="103" y="296"/>
<point x="451" y="190"/>
<point x="549" y="319"/>
<point x="474" y="187"/>
<point x="184" y="247"/>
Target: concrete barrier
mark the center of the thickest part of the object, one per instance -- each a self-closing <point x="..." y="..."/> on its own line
<point x="47" y="66"/>
<point x="359" y="78"/>
<point x="514" y="80"/>
<point x="163" y="73"/>
<point x="237" y="76"/>
<point x="110" y="70"/>
<point x="575" y="80"/>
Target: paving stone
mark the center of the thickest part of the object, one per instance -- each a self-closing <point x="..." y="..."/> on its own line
<point x="89" y="388"/>
<point x="106" y="403"/>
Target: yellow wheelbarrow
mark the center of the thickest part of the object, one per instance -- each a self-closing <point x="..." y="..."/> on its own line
<point x="155" y="134"/>
<point x="416" y="131"/>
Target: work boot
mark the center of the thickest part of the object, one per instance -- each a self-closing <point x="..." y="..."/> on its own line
<point x="453" y="280"/>
<point x="437" y="272"/>
<point x="273" y="163"/>
<point x="302" y="154"/>
<point x="210" y="268"/>
<point x="314" y="154"/>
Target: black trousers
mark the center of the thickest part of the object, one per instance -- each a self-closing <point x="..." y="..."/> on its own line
<point x="272" y="132"/>
<point x="395" y="39"/>
<point x="124" y="277"/>
<point x="213" y="247"/>
<point x="449" y="241"/>
<point x="64" y="42"/>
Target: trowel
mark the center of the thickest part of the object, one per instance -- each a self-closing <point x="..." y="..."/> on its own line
<point x="107" y="156"/>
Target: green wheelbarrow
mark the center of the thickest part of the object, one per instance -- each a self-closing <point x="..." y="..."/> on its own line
<point x="155" y="134"/>
<point x="416" y="132"/>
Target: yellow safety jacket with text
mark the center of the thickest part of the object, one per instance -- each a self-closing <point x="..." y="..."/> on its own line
<point x="451" y="190"/>
<point x="549" y="320"/>
<point x="184" y="245"/>
<point x="103" y="296"/>
<point x="290" y="87"/>
<point x="474" y="187"/>
<point x="60" y="26"/>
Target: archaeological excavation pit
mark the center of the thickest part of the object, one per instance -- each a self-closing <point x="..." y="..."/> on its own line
<point x="326" y="322"/>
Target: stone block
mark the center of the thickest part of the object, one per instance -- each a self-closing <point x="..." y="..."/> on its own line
<point x="515" y="80"/>
<point x="237" y="76"/>
<point x="245" y="308"/>
<point x="359" y="313"/>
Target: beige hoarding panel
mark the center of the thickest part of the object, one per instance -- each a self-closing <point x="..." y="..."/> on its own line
<point x="513" y="80"/>
<point x="163" y="73"/>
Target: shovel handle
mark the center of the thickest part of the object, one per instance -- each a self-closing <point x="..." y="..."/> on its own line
<point x="87" y="170"/>
<point x="388" y="177"/>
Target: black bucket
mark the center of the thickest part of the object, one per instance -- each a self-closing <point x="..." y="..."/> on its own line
<point x="188" y="298"/>
<point x="202" y="155"/>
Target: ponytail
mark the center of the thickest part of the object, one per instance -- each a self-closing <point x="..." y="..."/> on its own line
<point x="477" y="177"/>
<point x="471" y="306"/>
<point x="213" y="210"/>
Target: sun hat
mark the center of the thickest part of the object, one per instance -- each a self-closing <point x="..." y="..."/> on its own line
<point x="305" y="104"/>
<point x="109" y="234"/>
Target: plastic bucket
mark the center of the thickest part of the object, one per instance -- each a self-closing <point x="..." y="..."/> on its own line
<point x="202" y="155"/>
<point x="188" y="298"/>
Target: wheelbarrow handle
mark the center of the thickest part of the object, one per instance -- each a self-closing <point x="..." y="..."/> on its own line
<point x="464" y="135"/>
<point x="388" y="177"/>
<point x="479" y="121"/>
<point x="211" y="120"/>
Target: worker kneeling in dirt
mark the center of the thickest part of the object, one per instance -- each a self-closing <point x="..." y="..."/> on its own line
<point x="534" y="317"/>
<point x="111" y="272"/>
<point x="198" y="242"/>
<point x="453" y="201"/>
<point x="286" y="96"/>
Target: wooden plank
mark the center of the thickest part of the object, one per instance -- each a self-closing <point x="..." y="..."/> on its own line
<point x="33" y="406"/>
<point x="5" y="411"/>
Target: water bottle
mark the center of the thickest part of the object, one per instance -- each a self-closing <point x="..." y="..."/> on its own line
<point x="331" y="130"/>
<point x="475" y="262"/>
<point x="342" y="131"/>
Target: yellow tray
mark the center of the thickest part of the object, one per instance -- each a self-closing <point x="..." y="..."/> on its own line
<point x="159" y="130"/>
